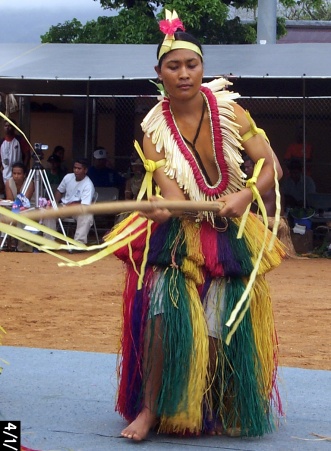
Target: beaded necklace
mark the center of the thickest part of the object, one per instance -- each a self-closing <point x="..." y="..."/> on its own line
<point x="199" y="174"/>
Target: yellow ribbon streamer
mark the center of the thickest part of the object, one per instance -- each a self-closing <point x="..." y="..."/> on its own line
<point x="254" y="130"/>
<point x="146" y="187"/>
<point x="251" y="183"/>
<point x="234" y="319"/>
<point x="278" y="209"/>
<point x="40" y="242"/>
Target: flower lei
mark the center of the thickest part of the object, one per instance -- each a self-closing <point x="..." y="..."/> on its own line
<point x="217" y="138"/>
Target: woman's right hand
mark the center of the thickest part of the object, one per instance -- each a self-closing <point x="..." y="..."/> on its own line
<point x="159" y="215"/>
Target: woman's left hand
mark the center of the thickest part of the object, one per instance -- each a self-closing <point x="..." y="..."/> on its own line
<point x="235" y="204"/>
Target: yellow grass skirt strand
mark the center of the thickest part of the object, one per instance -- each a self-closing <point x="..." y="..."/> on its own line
<point x="254" y="235"/>
<point x="263" y="261"/>
<point x="265" y="338"/>
<point x="190" y="414"/>
<point x="193" y="262"/>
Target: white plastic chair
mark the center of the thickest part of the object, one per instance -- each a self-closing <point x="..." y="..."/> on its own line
<point x="108" y="194"/>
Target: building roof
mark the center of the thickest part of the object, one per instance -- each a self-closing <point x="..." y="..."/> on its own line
<point x="306" y="31"/>
<point x="113" y="69"/>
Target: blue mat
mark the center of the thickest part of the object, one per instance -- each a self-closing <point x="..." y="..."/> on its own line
<point x="65" y="401"/>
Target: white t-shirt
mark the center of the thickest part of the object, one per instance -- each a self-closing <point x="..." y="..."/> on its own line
<point x="10" y="154"/>
<point x="296" y="190"/>
<point x="74" y="191"/>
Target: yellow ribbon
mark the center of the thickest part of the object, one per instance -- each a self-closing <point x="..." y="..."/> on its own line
<point x="254" y="130"/>
<point x="235" y="317"/>
<point x="146" y="187"/>
<point x="251" y="183"/>
<point x="40" y="242"/>
<point x="278" y="209"/>
<point x="150" y="167"/>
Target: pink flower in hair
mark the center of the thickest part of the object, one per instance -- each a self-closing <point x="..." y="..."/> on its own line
<point x="170" y="26"/>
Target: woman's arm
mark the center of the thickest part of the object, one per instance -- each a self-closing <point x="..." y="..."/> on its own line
<point x="256" y="147"/>
<point x="8" y="191"/>
<point x="169" y="187"/>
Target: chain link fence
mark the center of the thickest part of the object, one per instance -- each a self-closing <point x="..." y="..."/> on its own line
<point x="118" y="120"/>
<point x="282" y="118"/>
<point x="118" y="123"/>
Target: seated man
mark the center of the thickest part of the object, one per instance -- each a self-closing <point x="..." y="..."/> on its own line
<point x="296" y="186"/>
<point x="76" y="188"/>
<point x="295" y="151"/>
<point x="54" y="173"/>
<point x="103" y="175"/>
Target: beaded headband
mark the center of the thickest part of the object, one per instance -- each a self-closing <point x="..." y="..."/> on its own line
<point x="168" y="26"/>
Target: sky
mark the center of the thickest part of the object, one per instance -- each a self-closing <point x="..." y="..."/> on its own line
<point x="26" y="20"/>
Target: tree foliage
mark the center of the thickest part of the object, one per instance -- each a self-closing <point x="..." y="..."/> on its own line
<point x="308" y="10"/>
<point x="65" y="33"/>
<point x="136" y="22"/>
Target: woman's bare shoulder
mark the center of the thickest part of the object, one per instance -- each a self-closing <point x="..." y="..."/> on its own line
<point x="150" y="151"/>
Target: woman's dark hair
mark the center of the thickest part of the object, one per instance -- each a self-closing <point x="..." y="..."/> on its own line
<point x="18" y="164"/>
<point x="179" y="36"/>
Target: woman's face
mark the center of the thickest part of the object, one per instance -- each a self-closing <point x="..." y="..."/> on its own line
<point x="18" y="175"/>
<point x="181" y="73"/>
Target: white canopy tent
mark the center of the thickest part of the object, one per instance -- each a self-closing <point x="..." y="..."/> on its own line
<point x="298" y="70"/>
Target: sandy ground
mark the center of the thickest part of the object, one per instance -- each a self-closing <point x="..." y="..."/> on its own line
<point x="47" y="306"/>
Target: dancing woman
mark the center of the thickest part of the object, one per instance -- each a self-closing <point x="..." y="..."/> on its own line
<point x="193" y="359"/>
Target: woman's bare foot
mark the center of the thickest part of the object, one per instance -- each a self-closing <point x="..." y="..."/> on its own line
<point x="140" y="427"/>
<point x="216" y="430"/>
<point x="215" y="427"/>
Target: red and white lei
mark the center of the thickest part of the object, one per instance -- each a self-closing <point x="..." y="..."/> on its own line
<point x="181" y="163"/>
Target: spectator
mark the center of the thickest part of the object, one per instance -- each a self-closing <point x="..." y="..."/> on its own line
<point x="76" y="188"/>
<point x="102" y="175"/>
<point x="55" y="174"/>
<point x="13" y="148"/>
<point x="60" y="151"/>
<point x="295" y="151"/>
<point x="293" y="186"/>
<point x="133" y="184"/>
<point x="15" y="184"/>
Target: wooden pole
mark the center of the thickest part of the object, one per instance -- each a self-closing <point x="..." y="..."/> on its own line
<point x="123" y="207"/>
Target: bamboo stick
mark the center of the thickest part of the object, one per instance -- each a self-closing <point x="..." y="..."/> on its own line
<point x="116" y="207"/>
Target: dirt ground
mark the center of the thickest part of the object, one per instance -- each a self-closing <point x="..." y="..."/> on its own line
<point x="47" y="306"/>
